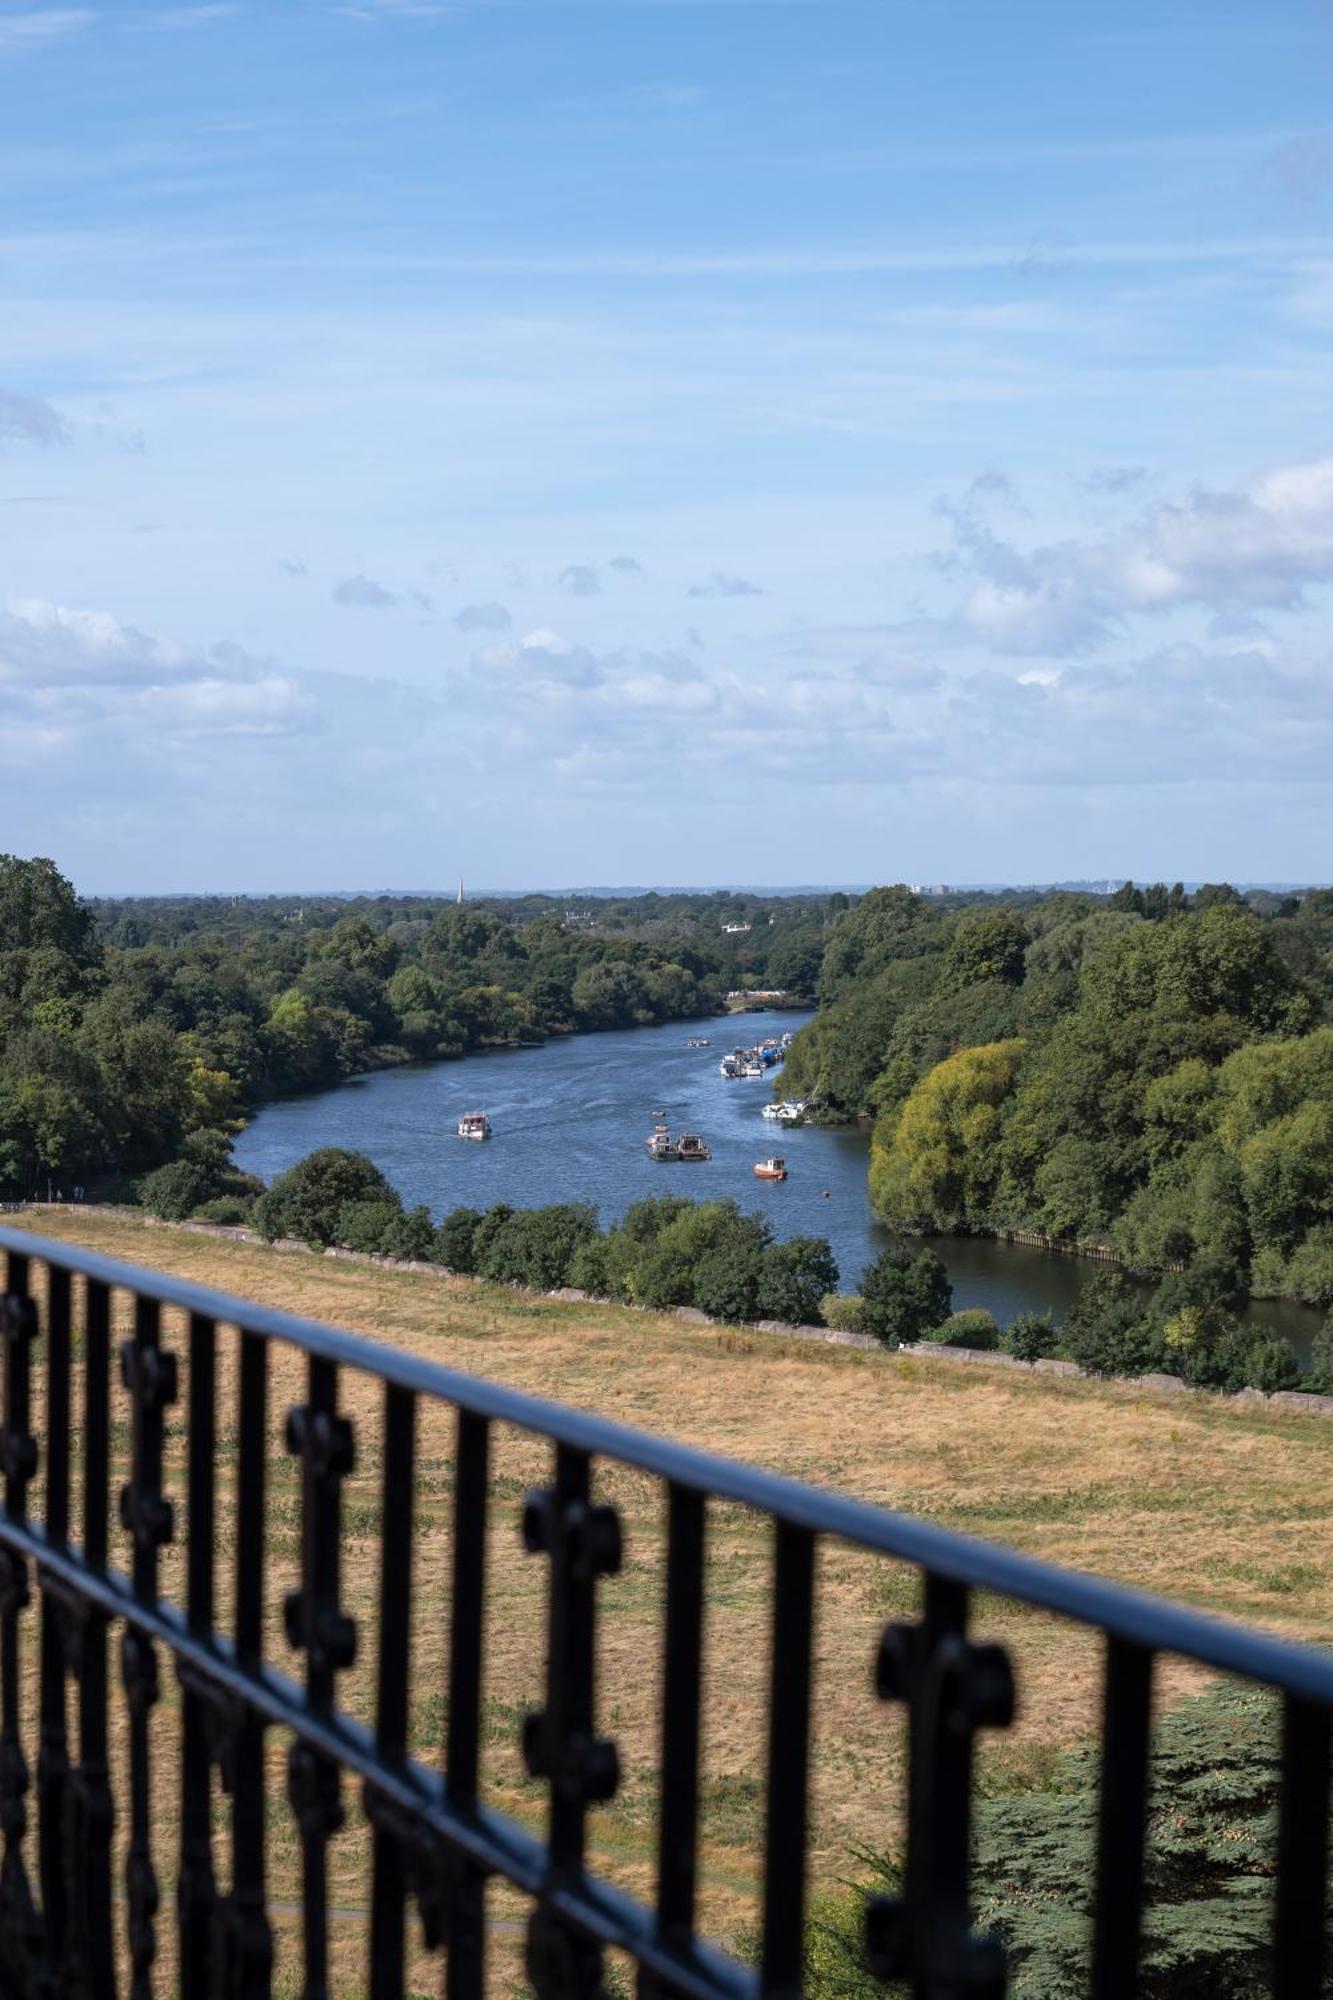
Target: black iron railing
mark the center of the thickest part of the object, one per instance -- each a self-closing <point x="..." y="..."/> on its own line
<point x="72" y="1922"/>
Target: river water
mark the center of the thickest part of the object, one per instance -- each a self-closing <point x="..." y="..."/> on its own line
<point x="570" y="1120"/>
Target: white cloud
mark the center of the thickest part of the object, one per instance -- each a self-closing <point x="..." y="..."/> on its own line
<point x="29" y="419"/>
<point x="482" y="618"/>
<point x="1261" y="547"/>
<point x="363" y="591"/>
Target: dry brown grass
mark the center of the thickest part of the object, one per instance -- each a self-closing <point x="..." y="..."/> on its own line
<point x="1228" y="1508"/>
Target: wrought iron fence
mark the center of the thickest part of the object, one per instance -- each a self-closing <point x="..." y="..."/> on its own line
<point x="436" y="1842"/>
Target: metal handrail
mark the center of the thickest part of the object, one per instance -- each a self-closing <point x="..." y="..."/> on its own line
<point x="434" y="1838"/>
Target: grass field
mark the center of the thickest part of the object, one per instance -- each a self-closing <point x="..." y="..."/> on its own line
<point x="1226" y="1507"/>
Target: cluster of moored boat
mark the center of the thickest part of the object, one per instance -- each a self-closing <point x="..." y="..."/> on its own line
<point x="662" y="1144"/>
<point x="757" y="1061"/>
<point x="791" y="1111"/>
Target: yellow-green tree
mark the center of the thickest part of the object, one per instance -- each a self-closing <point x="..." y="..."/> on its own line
<point x="936" y="1162"/>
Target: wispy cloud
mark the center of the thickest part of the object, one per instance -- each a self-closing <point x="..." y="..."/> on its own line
<point x="722" y="584"/>
<point x="30" y="26"/>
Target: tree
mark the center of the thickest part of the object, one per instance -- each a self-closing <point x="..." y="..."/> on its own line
<point x="38" y="907"/>
<point x="309" y="1198"/>
<point x="1031" y="1337"/>
<point x="1108" y="1331"/>
<point x="456" y="1239"/>
<point x="1210" y="1855"/>
<point x="726" y="1282"/>
<point x="536" y="1246"/>
<point x="884" y="926"/>
<point x="902" y="1295"/>
<point x="176" y="1190"/>
<point x="1320" y="1378"/>
<point x="988" y="944"/>
<point x="937" y="1162"/>
<point x="365" y="1225"/>
<point x="794" y="1278"/>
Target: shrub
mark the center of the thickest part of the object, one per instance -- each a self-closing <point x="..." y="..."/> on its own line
<point x="1309" y="1271"/>
<point x="1271" y="1363"/>
<point x="411" y="1236"/>
<point x="902" y="1295"/>
<point x="308" y="1199"/>
<point x="363" y="1225"/>
<point x="234" y="1210"/>
<point x="490" y="1227"/>
<point x="175" y="1191"/>
<point x="534" y="1246"/>
<point x="1320" y="1378"/>
<point x="664" y="1274"/>
<point x="843" y="1310"/>
<point x="1107" y="1331"/>
<point x="1213" y="1350"/>
<point x="974" y="1327"/>
<point x="455" y="1243"/>
<point x="590" y="1270"/>
<point x="1208" y="1281"/>
<point x="1031" y="1337"/>
<point x="794" y="1278"/>
<point x="727" y="1282"/>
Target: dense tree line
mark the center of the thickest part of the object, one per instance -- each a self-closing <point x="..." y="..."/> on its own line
<point x="668" y="1250"/>
<point x="1154" y="1073"/>
<point x="128" y="1029"/>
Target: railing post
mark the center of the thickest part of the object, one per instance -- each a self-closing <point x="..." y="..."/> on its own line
<point x="149" y="1373"/>
<point x="317" y="1625"/>
<point x="581" y="1769"/>
<point x="952" y="1687"/>
<point x="91" y="1818"/>
<point x="22" y="1941"/>
<point x="196" y="1888"/>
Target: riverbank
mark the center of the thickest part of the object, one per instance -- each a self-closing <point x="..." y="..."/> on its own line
<point x="570" y="1120"/>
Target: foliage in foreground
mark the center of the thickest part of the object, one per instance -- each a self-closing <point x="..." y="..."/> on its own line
<point x="1212" y="1843"/>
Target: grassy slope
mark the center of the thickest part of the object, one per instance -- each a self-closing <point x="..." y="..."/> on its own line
<point x="1227" y="1508"/>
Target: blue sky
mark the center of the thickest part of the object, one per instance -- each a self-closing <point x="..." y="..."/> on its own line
<point x="676" y="440"/>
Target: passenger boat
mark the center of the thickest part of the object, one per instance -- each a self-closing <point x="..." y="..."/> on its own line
<point x="690" y="1146"/>
<point x="661" y="1145"/>
<point x="753" y="1067"/>
<point x="770" y="1170"/>
<point x="474" y="1125"/>
<point x="774" y="1110"/>
<point x="730" y="1066"/>
<point x="699" y="1042"/>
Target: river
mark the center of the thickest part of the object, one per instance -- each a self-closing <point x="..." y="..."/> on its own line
<point x="570" y="1120"/>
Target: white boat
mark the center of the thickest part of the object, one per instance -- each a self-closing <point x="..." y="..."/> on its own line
<point x="774" y="1110"/>
<point x="729" y="1067"/>
<point x="661" y="1145"/>
<point x="753" y="1068"/>
<point x="474" y="1125"/>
